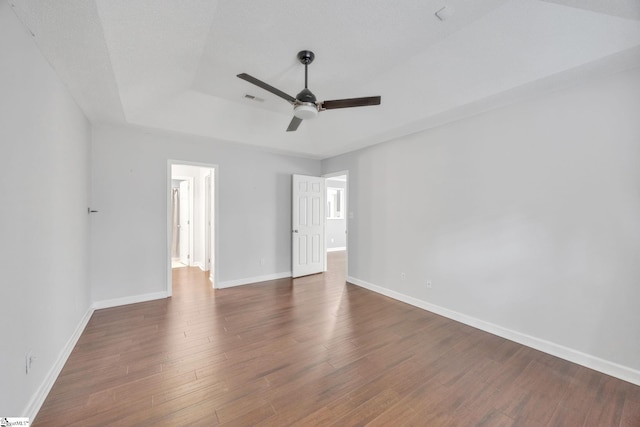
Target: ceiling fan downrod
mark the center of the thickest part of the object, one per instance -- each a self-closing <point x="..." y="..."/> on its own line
<point x="306" y="57"/>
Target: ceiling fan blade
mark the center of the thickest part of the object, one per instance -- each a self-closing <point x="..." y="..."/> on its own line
<point x="351" y="102"/>
<point x="295" y="122"/>
<point x="267" y="87"/>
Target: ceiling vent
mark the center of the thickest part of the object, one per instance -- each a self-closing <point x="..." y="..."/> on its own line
<point x="253" y="97"/>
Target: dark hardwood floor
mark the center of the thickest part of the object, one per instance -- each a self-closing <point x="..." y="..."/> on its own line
<point x="315" y="351"/>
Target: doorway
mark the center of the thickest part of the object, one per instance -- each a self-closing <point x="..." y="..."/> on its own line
<point x="319" y="222"/>
<point x="191" y="219"/>
<point x="336" y="230"/>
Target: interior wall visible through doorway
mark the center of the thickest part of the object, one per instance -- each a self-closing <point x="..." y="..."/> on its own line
<point x="337" y="214"/>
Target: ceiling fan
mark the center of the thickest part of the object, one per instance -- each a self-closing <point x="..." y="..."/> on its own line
<point x="305" y="105"/>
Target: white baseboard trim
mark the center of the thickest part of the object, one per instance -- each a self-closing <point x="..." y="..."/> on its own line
<point x="199" y="265"/>
<point x="97" y="305"/>
<point x="34" y="405"/>
<point x="252" y="280"/>
<point x="341" y="248"/>
<point x="607" y="367"/>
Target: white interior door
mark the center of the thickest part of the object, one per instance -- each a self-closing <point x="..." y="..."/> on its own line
<point x="184" y="223"/>
<point x="308" y="246"/>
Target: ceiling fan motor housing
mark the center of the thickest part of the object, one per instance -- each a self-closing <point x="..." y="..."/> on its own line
<point x="305" y="95"/>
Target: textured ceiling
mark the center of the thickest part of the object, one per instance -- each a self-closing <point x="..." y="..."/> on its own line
<point x="172" y="65"/>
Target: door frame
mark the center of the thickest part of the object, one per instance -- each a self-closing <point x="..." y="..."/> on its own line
<point x="208" y="229"/>
<point x="214" y="228"/>
<point x="347" y="216"/>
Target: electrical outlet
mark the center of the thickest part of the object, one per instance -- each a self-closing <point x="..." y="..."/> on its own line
<point x="403" y="276"/>
<point x="262" y="261"/>
<point x="429" y="284"/>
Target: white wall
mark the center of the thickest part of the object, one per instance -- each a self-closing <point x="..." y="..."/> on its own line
<point x="336" y="228"/>
<point x="44" y="182"/>
<point x="129" y="237"/>
<point x="526" y="219"/>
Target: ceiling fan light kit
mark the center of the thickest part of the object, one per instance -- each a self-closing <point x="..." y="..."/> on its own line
<point x="305" y="110"/>
<point x="305" y="105"/>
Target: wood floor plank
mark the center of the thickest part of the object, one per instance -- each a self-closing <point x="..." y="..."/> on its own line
<point x="631" y="412"/>
<point x="315" y="351"/>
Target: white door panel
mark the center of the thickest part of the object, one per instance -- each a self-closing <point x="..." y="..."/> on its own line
<point x="308" y="225"/>
<point x="184" y="223"/>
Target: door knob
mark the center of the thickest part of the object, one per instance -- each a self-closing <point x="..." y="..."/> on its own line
<point x="295" y="231"/>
